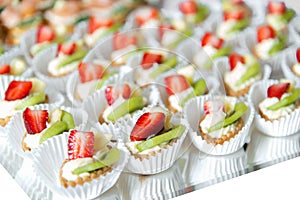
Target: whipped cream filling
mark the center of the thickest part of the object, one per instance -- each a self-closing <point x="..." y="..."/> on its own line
<point x="84" y="89"/>
<point x="142" y="76"/>
<point x="91" y="39"/>
<point x="54" y="71"/>
<point x="169" y="37"/>
<point x="210" y="50"/>
<point x="119" y="56"/>
<point x="296" y="69"/>
<point x="276" y="114"/>
<point x="224" y="30"/>
<point x="7" y="108"/>
<point x="71" y="165"/>
<point x="32" y="140"/>
<point x="276" y="21"/>
<point x="132" y="147"/>
<point x="152" y="23"/>
<point x="176" y="99"/>
<point x="112" y="107"/>
<point x="232" y="77"/>
<point x="263" y="48"/>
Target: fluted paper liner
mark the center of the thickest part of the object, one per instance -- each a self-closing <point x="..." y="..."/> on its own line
<point x="48" y="160"/>
<point x="284" y="126"/>
<point x="159" y="162"/>
<point x="193" y="111"/>
<point x="27" y="41"/>
<point x="289" y="59"/>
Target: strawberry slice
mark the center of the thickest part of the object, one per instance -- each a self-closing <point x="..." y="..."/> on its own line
<point x="188" y="7"/>
<point x="236" y="14"/>
<point x="237" y="2"/>
<point x="112" y="93"/>
<point x="265" y="32"/>
<point x="35" y="120"/>
<point x="162" y="28"/>
<point x="90" y="71"/>
<point x="210" y="39"/>
<point x="276" y="7"/>
<point x="277" y="90"/>
<point x="17" y="90"/>
<point x="146" y="14"/>
<point x="149" y="124"/>
<point x="298" y="55"/>
<point x="80" y="144"/>
<point x="4" y="69"/>
<point x="121" y="40"/>
<point x="176" y="84"/>
<point x="95" y="23"/>
<point x="149" y="59"/>
<point x="45" y="34"/>
<point x="211" y="106"/>
<point x="234" y="58"/>
<point x="66" y="48"/>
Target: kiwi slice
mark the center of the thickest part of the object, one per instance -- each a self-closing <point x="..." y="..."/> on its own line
<point x="289" y="14"/>
<point x="110" y="158"/>
<point x="199" y="89"/>
<point x="177" y="131"/>
<point x="30" y="21"/>
<point x="239" y="109"/>
<point x="55" y="129"/>
<point x="185" y="34"/>
<point x="170" y="63"/>
<point x="38" y="86"/>
<point x="101" y="82"/>
<point x="128" y="106"/>
<point x="240" y="25"/>
<point x="74" y="57"/>
<point x="221" y="52"/>
<point x="68" y="119"/>
<point x="286" y="101"/>
<point x="1" y="49"/>
<point x="55" y="115"/>
<point x="251" y="72"/>
<point x="39" y="47"/>
<point x="201" y="14"/>
<point x="32" y="100"/>
<point x="279" y="45"/>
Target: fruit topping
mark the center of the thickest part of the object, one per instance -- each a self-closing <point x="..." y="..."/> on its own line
<point x="122" y="40"/>
<point x="234" y="58"/>
<point x="35" y="120"/>
<point x="236" y="14"/>
<point x="150" y="58"/>
<point x="163" y="67"/>
<point x="176" y="84"/>
<point x="276" y="7"/>
<point x="66" y="48"/>
<point x="251" y="72"/>
<point x="286" y="101"/>
<point x="80" y="144"/>
<point x="72" y="58"/>
<point x="210" y="39"/>
<point x="145" y="14"/>
<point x="55" y="129"/>
<point x="90" y="71"/>
<point x="214" y="105"/>
<point x="162" y="28"/>
<point x="277" y="90"/>
<point x="95" y="23"/>
<point x="36" y="98"/>
<point x="45" y="34"/>
<point x="38" y="86"/>
<point x="4" y="69"/>
<point x="112" y="93"/>
<point x="149" y="124"/>
<point x="17" y="90"/>
<point x="265" y="32"/>
<point x="188" y="7"/>
<point x="298" y="55"/>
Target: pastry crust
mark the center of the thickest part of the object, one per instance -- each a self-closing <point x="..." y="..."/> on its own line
<point x="80" y="180"/>
<point x="24" y="145"/>
<point x="238" y="93"/>
<point x="4" y="121"/>
<point x="294" y="71"/>
<point x="215" y="141"/>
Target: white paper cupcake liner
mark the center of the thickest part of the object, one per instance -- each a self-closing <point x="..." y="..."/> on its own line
<point x="294" y="27"/>
<point x="289" y="59"/>
<point x="95" y="103"/>
<point x="54" y="97"/>
<point x="221" y="66"/>
<point x="162" y="160"/>
<point x="193" y="111"/>
<point x="263" y="149"/>
<point x="40" y="66"/>
<point x="16" y="127"/>
<point x="15" y="52"/>
<point x="48" y="160"/>
<point x="202" y="168"/>
<point x="27" y="41"/>
<point x="284" y="126"/>
<point x="160" y="186"/>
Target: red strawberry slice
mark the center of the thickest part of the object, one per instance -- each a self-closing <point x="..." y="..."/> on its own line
<point x="210" y="38"/>
<point x="66" y="48"/>
<point x="237" y="2"/>
<point x="213" y="106"/>
<point x="45" y="34"/>
<point x="149" y="59"/>
<point x="80" y="144"/>
<point x="277" y="90"/>
<point x="265" y="32"/>
<point x="4" y="69"/>
<point x="188" y="7"/>
<point x="298" y="55"/>
<point x="162" y="28"/>
<point x="90" y="71"/>
<point x="95" y="23"/>
<point x="121" y="40"/>
<point x="35" y="120"/>
<point x="276" y="7"/>
<point x="146" y="14"/>
<point x="176" y="84"/>
<point x="17" y="90"/>
<point x="234" y="58"/>
<point x="149" y="124"/>
<point x="236" y="14"/>
<point x="113" y="92"/>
